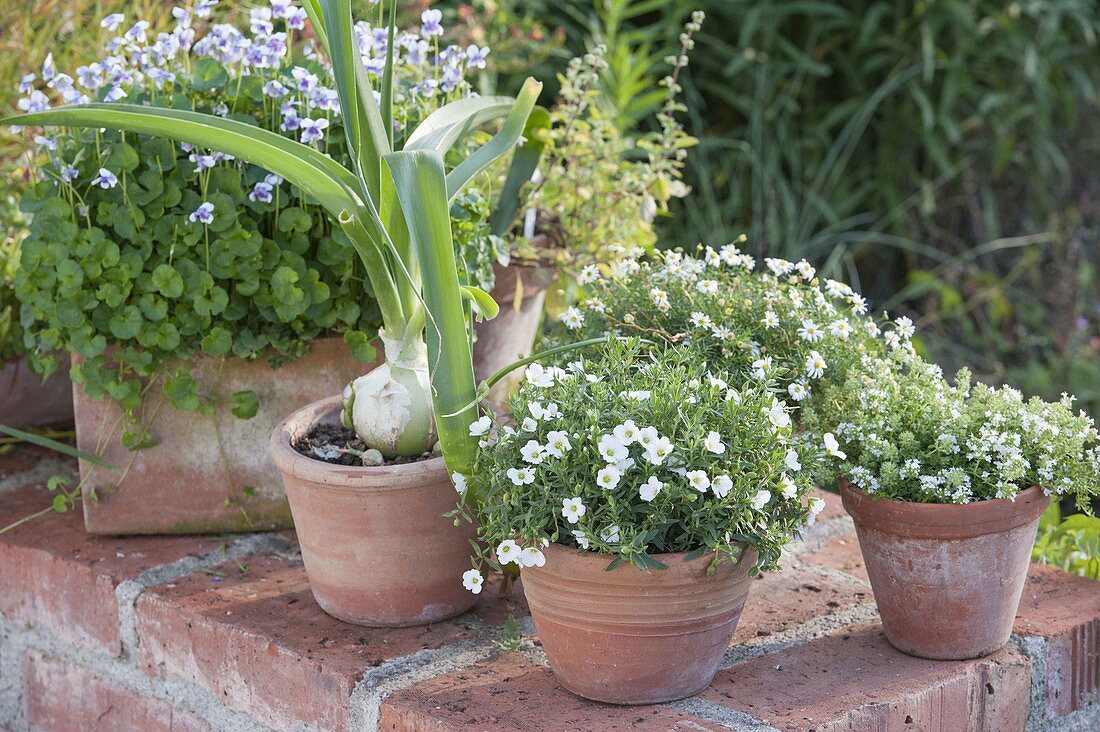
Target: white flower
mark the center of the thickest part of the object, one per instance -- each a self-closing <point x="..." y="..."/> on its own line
<point x="707" y="287"/>
<point x="608" y="477"/>
<point x="521" y="476"/>
<point x="532" y="557"/>
<point x="551" y="411"/>
<point x="572" y="318"/>
<point x="472" y="581"/>
<point x="815" y="365"/>
<point x="650" y="489"/>
<point x="611" y="534"/>
<point x="626" y="433"/>
<point x="582" y="538"/>
<point x="508" y="552"/>
<point x="840" y="329"/>
<point x="660" y="299"/>
<point x="480" y="426"/>
<point x="771" y="320"/>
<point x="833" y="447"/>
<point x="810" y="331"/>
<point x="777" y="414"/>
<point x="557" y="443"/>
<point x="787" y="488"/>
<point x="761" y="367"/>
<point x="658" y="450"/>
<point x="589" y="274"/>
<point x="717" y="383"/>
<point x="905" y="327"/>
<point x="529" y="424"/>
<point x="536" y="409"/>
<point x="533" y="452"/>
<point x="698" y="480"/>
<point x="791" y="461"/>
<point x="816" y="506"/>
<point x="797" y="391"/>
<point x="761" y="499"/>
<point x="714" y="443"/>
<point x="611" y="450"/>
<point x="647" y="436"/>
<point x="805" y="270"/>
<point x="701" y="320"/>
<point x="460" y="483"/>
<point x="536" y="375"/>
<point x="637" y="394"/>
<point x="721" y="485"/>
<point x="572" y="509"/>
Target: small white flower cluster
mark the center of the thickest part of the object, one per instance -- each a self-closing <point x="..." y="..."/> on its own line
<point x="593" y="459"/>
<point x="910" y="434"/>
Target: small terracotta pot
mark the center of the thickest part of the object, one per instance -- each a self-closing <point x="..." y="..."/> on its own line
<point x="634" y="637"/>
<point x="377" y="548"/>
<point x="520" y="290"/>
<point x="947" y="578"/>
<point x="26" y="400"/>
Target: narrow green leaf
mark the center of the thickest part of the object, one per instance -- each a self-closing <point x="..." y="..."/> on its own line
<point x="56" y="446"/>
<point x="442" y="128"/>
<point x="524" y="163"/>
<point x="483" y="303"/>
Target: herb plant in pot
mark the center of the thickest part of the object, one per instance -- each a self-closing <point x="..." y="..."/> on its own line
<point x="946" y="484"/>
<point x="638" y="494"/>
<point x="205" y="297"/>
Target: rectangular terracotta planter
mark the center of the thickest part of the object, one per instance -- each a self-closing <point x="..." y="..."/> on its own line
<point x="28" y="401"/>
<point x="208" y="473"/>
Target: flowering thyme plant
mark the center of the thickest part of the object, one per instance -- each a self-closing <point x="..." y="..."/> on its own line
<point x="909" y="434"/>
<point x="776" y="323"/>
<point x="631" y="453"/>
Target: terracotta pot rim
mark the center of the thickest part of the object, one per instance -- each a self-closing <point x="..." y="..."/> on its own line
<point x="671" y="559"/>
<point x="341" y="477"/>
<point x="942" y="520"/>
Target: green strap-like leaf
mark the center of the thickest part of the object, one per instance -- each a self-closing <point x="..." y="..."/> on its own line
<point x="420" y="184"/>
<point x="318" y="176"/>
<point x="313" y="10"/>
<point x="443" y="127"/>
<point x="56" y="446"/>
<point x="483" y="303"/>
<point x="501" y="143"/>
<point x="524" y="163"/>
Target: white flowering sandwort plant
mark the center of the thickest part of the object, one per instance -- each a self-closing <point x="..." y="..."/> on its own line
<point x="909" y="434"/>
<point x="391" y="202"/>
<point x="777" y="322"/>
<point x="630" y="452"/>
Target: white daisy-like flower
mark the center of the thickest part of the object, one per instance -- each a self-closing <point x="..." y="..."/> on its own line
<point x="660" y="299"/>
<point x="761" y="367"/>
<point x="787" y="488"/>
<point x="572" y="509"/>
<point x="572" y="318"/>
<point x="713" y="443"/>
<point x="815" y="365"/>
<point x="480" y="426"/>
<point x="508" y="552"/>
<point x="557" y="443"/>
<point x="533" y="452"/>
<point x="521" y="476"/>
<point x="701" y="320"/>
<point x="833" y="447"/>
<point x="771" y="320"/>
<point x="721" y="485"/>
<point x="805" y="270"/>
<point x="707" y="287"/>
<point x="608" y="477"/>
<point x="658" y="450"/>
<point x="626" y="433"/>
<point x="798" y="391"/>
<point x="589" y="274"/>
<point x="473" y="581"/>
<point x="611" y="449"/>
<point x="581" y="537"/>
<point x="698" y="480"/>
<point x="810" y="331"/>
<point x="791" y="461"/>
<point x="905" y="327"/>
<point x="840" y="329"/>
<point x="532" y="557"/>
<point x="650" y="489"/>
<point x="761" y="499"/>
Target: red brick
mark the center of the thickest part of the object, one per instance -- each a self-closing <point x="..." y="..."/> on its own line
<point x="64" y="697"/>
<point x="840" y="553"/>
<point x="856" y="681"/>
<point x="1065" y="610"/>
<point x="833" y="507"/>
<point x="257" y="640"/>
<point x="55" y="576"/>
<point x="783" y="599"/>
<point x="512" y="694"/>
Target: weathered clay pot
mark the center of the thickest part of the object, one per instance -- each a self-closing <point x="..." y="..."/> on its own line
<point x="634" y="637"/>
<point x="520" y="290"/>
<point x="947" y="578"/>
<point x="208" y="473"/>
<point x="28" y="401"/>
<point x="377" y="548"/>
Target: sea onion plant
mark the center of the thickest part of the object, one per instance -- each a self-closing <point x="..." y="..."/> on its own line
<point x="394" y="207"/>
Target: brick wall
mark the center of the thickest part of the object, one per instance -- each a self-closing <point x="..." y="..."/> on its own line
<point x="221" y="633"/>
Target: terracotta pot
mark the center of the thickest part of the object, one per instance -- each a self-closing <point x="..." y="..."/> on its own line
<point x="376" y="544"/>
<point x="520" y="290"/>
<point x="634" y="637"/>
<point x="208" y="473"/>
<point x="947" y="578"/>
<point x="28" y="401"/>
